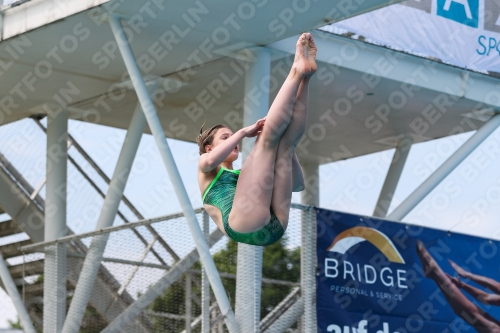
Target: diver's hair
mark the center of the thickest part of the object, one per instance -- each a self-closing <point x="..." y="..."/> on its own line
<point x="206" y="137"/>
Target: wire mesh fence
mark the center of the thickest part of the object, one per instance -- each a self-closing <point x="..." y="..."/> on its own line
<point x="139" y="255"/>
<point x="129" y="268"/>
<point x="23" y="144"/>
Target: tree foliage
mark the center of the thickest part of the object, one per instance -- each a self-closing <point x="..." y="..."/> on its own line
<point x="15" y="324"/>
<point x="279" y="263"/>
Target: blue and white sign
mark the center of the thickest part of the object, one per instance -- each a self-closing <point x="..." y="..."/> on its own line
<point x="376" y="276"/>
<point x="465" y="33"/>
<point x="461" y="11"/>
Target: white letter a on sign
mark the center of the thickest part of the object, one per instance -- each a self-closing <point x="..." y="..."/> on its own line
<point x="464" y="3"/>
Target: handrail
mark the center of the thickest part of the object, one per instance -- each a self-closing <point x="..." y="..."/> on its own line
<point x="129" y="225"/>
<point x="107" y="230"/>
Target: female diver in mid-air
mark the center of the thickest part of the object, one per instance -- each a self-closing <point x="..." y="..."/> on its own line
<point x="252" y="205"/>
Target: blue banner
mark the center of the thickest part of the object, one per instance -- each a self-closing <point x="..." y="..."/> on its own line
<point x="377" y="276"/>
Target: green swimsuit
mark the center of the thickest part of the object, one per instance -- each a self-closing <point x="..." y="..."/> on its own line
<point x="220" y="193"/>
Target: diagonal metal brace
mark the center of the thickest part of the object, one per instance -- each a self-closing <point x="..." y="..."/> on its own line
<point x="159" y="287"/>
<point x="182" y="195"/>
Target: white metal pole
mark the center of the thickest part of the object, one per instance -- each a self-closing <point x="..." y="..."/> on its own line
<point x="168" y="160"/>
<point x="287" y="319"/>
<point x="11" y="289"/>
<point x="393" y="175"/>
<point x="113" y="197"/>
<point x="121" y="321"/>
<point x="205" y="284"/>
<point x="188" y="302"/>
<point x="249" y="270"/>
<point x="310" y="197"/>
<point x="445" y="169"/>
<point x="136" y="268"/>
<point x="54" y="282"/>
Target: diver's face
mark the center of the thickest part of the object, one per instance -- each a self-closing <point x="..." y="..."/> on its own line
<point x="220" y="136"/>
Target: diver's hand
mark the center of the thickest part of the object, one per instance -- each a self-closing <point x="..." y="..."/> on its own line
<point x="255" y="129"/>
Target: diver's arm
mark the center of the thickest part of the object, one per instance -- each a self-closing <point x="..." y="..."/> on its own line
<point x="216" y="156"/>
<point x="209" y="161"/>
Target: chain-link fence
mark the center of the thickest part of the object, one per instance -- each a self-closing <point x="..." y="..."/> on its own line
<point x="129" y="268"/>
<point x="138" y="255"/>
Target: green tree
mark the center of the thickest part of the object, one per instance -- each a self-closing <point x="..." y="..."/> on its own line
<point x="16" y="325"/>
<point x="279" y="263"/>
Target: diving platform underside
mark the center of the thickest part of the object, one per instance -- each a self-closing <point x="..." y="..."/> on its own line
<point x="363" y="98"/>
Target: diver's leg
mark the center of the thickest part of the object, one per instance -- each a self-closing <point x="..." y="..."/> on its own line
<point x="481" y="295"/>
<point x="254" y="191"/>
<point x="284" y="106"/>
<point x="287" y="144"/>
<point x="460" y="304"/>
<point x="287" y="172"/>
<point x="484" y="281"/>
<point x="288" y="176"/>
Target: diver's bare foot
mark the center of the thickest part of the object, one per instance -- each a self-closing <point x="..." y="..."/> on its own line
<point x="430" y="266"/>
<point x="312" y="49"/>
<point x="305" y="55"/>
<point x="462" y="272"/>
<point x="434" y="272"/>
<point x="456" y="281"/>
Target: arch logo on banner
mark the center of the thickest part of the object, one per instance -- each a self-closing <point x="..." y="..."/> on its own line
<point x="353" y="236"/>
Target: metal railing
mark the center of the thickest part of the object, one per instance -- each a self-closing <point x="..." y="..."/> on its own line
<point x="6" y="4"/>
<point x="184" y="266"/>
<point x="182" y="263"/>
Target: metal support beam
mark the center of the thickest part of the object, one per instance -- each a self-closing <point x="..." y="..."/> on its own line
<point x="189" y="302"/>
<point x="168" y="160"/>
<point x="9" y="227"/>
<point x="95" y="253"/>
<point x="288" y="318"/>
<point x="122" y="261"/>
<point x="106" y="230"/>
<point x="249" y="270"/>
<point x="72" y="142"/>
<point x="136" y="268"/>
<point x="11" y="289"/>
<point x="310" y="196"/>
<point x="307" y="268"/>
<point x="54" y="282"/>
<point x="205" y="284"/>
<point x="25" y="212"/>
<point x="445" y="169"/>
<point x="443" y="79"/>
<point x="198" y="319"/>
<point x="280" y="309"/>
<point x="393" y="175"/>
<point x="22" y="183"/>
<point x="159" y="287"/>
<point x="29" y="216"/>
